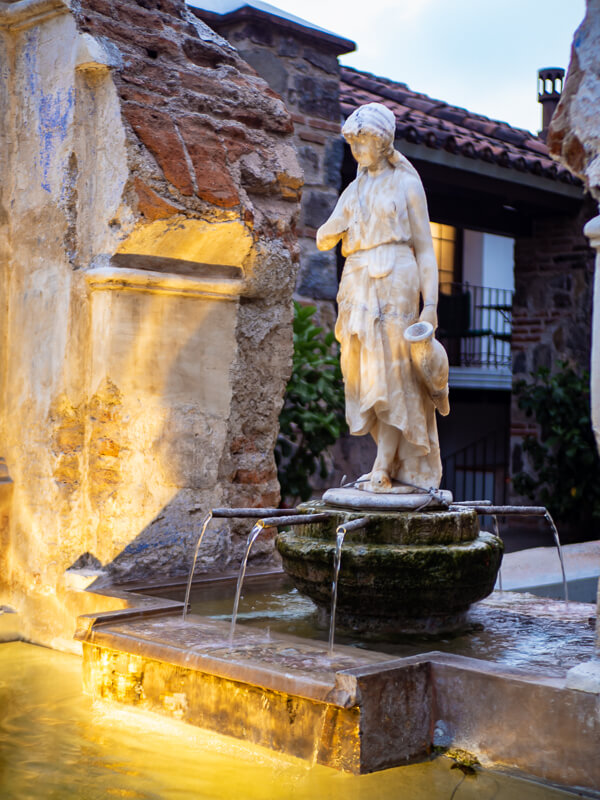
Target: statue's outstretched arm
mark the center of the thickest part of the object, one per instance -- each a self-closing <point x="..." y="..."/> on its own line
<point x="423" y="247"/>
<point x="330" y="232"/>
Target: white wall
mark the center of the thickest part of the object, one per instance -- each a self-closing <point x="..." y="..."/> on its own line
<point x="498" y="261"/>
<point x="488" y="260"/>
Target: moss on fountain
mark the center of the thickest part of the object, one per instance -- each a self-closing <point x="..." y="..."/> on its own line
<point x="406" y="572"/>
<point x="407" y="527"/>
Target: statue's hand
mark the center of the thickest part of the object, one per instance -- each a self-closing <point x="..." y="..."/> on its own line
<point x="429" y="314"/>
<point x="326" y="237"/>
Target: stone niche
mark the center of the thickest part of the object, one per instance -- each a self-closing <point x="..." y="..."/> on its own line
<point x="149" y="194"/>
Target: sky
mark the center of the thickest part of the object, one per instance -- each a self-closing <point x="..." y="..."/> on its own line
<point x="478" y="54"/>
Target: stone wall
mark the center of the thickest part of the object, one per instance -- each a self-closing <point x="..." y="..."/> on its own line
<point x="552" y="307"/>
<point x="302" y="67"/>
<point x="150" y="193"/>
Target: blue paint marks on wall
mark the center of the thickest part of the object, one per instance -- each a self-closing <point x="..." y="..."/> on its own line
<point x="55" y="112"/>
<point x="30" y="58"/>
<point x="54" y="109"/>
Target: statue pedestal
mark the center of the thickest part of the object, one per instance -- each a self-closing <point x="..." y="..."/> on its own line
<point x="389" y="501"/>
<point x="405" y="572"/>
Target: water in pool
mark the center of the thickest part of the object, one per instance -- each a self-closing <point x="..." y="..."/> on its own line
<point x="56" y="743"/>
<point x="513" y="630"/>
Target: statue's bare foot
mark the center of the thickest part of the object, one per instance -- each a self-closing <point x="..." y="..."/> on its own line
<point x="380" y="481"/>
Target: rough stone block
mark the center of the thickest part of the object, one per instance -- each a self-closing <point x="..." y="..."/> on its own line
<point x="316" y="207"/>
<point x="157" y="131"/>
<point x="327" y="62"/>
<point x="309" y="159"/>
<point x="206" y="54"/>
<point x="213" y="180"/>
<point x="319" y="98"/>
<point x="334" y="155"/>
<point x="152" y="205"/>
<point x="318" y="276"/>
<point x="269" y="67"/>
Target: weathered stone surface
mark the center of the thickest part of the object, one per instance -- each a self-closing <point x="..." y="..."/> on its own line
<point x="150" y="204"/>
<point x="268" y="66"/>
<point x="157" y="131"/>
<point x="316" y="97"/>
<point x="574" y="134"/>
<point x="306" y="75"/>
<point x="213" y="180"/>
<point x="129" y="379"/>
<point x="408" y="572"/>
<point x="393" y="527"/>
<point x="317" y="207"/>
<point x="318" y="276"/>
<point x="334" y="154"/>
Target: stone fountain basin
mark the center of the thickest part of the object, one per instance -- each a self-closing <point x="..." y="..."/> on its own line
<point x="359" y="710"/>
<point x="406" y="572"/>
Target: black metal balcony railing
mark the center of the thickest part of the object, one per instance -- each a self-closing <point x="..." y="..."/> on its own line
<point x="475" y="325"/>
<point x="479" y="470"/>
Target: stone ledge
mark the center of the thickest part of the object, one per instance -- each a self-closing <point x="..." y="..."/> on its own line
<point x="141" y="280"/>
<point x="16" y="16"/>
<point x="375" y="713"/>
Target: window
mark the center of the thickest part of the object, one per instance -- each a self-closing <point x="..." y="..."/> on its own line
<point x="444" y="246"/>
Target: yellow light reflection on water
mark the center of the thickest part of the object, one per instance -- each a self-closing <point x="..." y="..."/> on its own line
<point x="56" y="743"/>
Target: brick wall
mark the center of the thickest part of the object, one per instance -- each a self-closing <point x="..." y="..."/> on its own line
<point x="209" y="134"/>
<point x="305" y="73"/>
<point x="552" y="307"/>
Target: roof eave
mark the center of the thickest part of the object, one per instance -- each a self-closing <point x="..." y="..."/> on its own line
<point x="421" y="151"/>
<point x="335" y="44"/>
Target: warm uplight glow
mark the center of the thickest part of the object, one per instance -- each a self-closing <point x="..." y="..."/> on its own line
<point x="226" y="243"/>
<point x="61" y="744"/>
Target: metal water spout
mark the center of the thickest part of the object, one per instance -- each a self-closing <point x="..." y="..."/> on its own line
<point x="283" y="517"/>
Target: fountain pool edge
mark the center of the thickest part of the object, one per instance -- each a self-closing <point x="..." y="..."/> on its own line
<point x="362" y="713"/>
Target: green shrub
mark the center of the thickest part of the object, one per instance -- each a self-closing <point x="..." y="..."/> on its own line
<point x="312" y="418"/>
<point x="565" y="458"/>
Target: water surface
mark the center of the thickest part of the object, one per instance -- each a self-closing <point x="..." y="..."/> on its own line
<point x="55" y="743"/>
<point x="540" y="635"/>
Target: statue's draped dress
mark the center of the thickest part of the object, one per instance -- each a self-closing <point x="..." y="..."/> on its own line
<point x="378" y="299"/>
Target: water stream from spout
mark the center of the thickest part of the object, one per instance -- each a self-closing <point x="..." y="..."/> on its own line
<point x="554" y="530"/>
<point x="497" y="533"/>
<point x="207" y="519"/>
<point x="254" y="533"/>
<point x="340" y="533"/>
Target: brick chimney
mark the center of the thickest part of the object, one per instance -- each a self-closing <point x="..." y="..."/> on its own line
<point x="550" y="86"/>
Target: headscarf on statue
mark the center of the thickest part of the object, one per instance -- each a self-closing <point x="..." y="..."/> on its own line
<point x="379" y="121"/>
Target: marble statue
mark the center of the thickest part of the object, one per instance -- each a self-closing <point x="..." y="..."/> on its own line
<point x="382" y="221"/>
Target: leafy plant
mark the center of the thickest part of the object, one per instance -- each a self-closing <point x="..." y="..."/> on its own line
<point x="312" y="417"/>
<point x="564" y="458"/>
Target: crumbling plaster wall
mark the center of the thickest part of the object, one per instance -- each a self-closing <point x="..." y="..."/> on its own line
<point x="150" y="194"/>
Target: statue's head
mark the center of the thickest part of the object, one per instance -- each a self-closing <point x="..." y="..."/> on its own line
<point x="370" y="133"/>
<point x="373" y="119"/>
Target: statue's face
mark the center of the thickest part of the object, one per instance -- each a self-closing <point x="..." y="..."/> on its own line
<point x="367" y="150"/>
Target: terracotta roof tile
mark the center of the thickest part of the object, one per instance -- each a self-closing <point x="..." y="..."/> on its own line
<point x="423" y="120"/>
